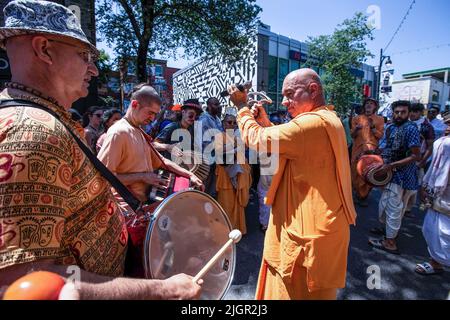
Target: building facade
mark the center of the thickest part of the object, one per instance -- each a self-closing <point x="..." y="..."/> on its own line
<point x="430" y="87"/>
<point x="160" y="76"/>
<point x="271" y="58"/>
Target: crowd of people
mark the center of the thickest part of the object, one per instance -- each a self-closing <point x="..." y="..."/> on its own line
<point x="407" y="144"/>
<point x="58" y="207"/>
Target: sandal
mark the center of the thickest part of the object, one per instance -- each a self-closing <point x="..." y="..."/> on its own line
<point x="380" y="232"/>
<point x="378" y="244"/>
<point x="426" y="269"/>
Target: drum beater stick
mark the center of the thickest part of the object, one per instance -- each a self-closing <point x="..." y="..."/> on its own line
<point x="235" y="236"/>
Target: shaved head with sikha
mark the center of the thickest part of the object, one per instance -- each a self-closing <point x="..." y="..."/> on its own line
<point x="302" y="91"/>
<point x="145" y="105"/>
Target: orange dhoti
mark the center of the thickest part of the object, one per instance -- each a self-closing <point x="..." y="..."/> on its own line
<point x="272" y="286"/>
<point x="306" y="243"/>
<point x="365" y="141"/>
<point x="234" y="200"/>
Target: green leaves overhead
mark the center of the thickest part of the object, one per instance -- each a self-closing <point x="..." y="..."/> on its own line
<point x="202" y="28"/>
<point x="335" y="54"/>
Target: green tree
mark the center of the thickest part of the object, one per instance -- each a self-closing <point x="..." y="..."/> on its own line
<point x="104" y="66"/>
<point x="201" y="27"/>
<point x="335" y="54"/>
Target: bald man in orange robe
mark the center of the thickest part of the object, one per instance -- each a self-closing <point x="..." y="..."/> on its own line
<point x="306" y="243"/>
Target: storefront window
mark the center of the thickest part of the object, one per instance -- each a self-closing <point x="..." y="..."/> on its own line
<point x="283" y="71"/>
<point x="273" y="70"/>
<point x="294" y="65"/>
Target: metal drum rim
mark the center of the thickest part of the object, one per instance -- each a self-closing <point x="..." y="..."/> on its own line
<point x="371" y="172"/>
<point x="151" y="225"/>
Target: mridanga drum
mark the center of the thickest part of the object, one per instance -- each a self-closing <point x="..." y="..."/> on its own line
<point x="369" y="166"/>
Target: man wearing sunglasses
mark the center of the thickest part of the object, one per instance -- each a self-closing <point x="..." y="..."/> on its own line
<point x="91" y="131"/>
<point x="179" y="131"/>
<point x="56" y="209"/>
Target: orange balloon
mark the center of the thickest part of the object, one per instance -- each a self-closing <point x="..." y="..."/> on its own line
<point x="39" y="285"/>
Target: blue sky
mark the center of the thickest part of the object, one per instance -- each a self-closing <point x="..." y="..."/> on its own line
<point x="427" y="25"/>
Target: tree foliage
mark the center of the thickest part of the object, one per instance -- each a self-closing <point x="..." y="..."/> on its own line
<point x="104" y="66"/>
<point x="142" y="28"/>
<point x="335" y="54"/>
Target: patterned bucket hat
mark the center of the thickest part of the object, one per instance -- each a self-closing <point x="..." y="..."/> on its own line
<point x="23" y="17"/>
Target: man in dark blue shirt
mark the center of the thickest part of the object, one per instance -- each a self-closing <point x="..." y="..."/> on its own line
<point x="400" y="155"/>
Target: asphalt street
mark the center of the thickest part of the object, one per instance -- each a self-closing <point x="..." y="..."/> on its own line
<point x="397" y="279"/>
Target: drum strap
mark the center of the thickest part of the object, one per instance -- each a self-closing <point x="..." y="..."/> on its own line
<point x="149" y="141"/>
<point x="132" y="201"/>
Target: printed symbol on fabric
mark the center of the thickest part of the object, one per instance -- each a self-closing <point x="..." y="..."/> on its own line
<point x="46" y="199"/>
<point x="30" y="198"/>
<point x="83" y="196"/>
<point x="38" y="114"/>
<point x="57" y="201"/>
<point x="6" y="167"/>
<point x="96" y="186"/>
<point x="53" y="140"/>
<point x="77" y="155"/>
<point x="65" y="174"/>
<point x="59" y="230"/>
<point x="35" y="231"/>
<point x="27" y="136"/>
<point x="111" y="208"/>
<point x="40" y="137"/>
<point x="89" y="234"/>
<point x="73" y="203"/>
<point x="6" y="200"/>
<point x="6" y="236"/>
<point x="6" y="120"/>
<point x="123" y="236"/>
<point x="113" y="252"/>
<point x="42" y="167"/>
<point x="101" y="219"/>
<point x="17" y="198"/>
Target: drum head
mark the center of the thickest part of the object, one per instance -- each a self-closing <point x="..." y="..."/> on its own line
<point x="186" y="231"/>
<point x="366" y="162"/>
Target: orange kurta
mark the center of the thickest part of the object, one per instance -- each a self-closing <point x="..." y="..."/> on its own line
<point x="308" y="234"/>
<point x="233" y="201"/>
<point x="366" y="140"/>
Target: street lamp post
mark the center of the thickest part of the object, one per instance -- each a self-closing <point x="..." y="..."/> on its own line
<point x="388" y="64"/>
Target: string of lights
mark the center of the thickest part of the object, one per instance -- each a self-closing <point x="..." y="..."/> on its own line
<point x="401" y="24"/>
<point x="421" y="49"/>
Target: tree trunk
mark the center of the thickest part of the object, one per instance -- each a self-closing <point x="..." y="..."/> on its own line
<point x="148" y="16"/>
<point x="142" y="62"/>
